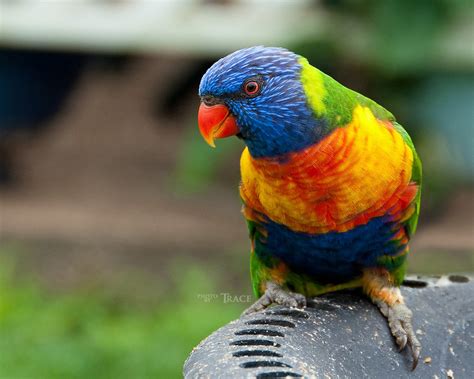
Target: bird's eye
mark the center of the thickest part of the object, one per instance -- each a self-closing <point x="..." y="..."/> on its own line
<point x="252" y="88"/>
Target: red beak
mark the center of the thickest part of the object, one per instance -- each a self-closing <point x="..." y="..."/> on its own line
<point x="216" y="121"/>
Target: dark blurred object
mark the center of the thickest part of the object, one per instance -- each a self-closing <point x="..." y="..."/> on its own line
<point x="34" y="86"/>
<point x="344" y="336"/>
<point x="186" y="84"/>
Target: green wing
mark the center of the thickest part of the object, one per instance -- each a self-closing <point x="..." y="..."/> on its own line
<point x="416" y="177"/>
<point x="338" y="103"/>
<point x="382" y="114"/>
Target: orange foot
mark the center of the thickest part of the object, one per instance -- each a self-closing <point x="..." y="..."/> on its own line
<point x="377" y="284"/>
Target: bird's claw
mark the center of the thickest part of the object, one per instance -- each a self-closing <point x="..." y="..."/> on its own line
<point x="274" y="294"/>
<point x="399" y="318"/>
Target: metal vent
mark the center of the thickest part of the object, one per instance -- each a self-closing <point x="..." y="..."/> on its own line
<point x="344" y="335"/>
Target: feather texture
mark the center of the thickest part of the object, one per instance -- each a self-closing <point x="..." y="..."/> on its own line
<point x="331" y="182"/>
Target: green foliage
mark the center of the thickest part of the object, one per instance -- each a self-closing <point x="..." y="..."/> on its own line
<point x="439" y="262"/>
<point x="92" y="335"/>
<point x="405" y="31"/>
<point x="198" y="163"/>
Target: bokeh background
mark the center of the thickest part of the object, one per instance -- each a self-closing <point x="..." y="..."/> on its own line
<point x="122" y="244"/>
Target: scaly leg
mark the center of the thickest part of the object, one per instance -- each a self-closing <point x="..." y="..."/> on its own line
<point x="274" y="294"/>
<point x="378" y="285"/>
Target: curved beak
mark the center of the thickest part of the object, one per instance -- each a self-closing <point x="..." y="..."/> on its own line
<point x="216" y="121"/>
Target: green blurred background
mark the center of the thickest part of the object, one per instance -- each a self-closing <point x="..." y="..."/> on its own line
<point x="122" y="244"/>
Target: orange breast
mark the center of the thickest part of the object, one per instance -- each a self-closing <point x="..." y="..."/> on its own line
<point x="358" y="172"/>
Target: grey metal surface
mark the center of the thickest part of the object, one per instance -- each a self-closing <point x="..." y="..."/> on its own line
<point x="343" y="335"/>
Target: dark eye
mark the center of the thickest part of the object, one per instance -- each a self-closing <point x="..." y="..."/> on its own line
<point x="252" y="88"/>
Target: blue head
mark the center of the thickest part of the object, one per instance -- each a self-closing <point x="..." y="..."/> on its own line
<point x="260" y="88"/>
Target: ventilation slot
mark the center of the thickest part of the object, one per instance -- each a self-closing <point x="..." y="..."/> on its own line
<point x="414" y="283"/>
<point x="259" y="332"/>
<point x="278" y="374"/>
<point x="273" y="322"/>
<point x="256" y="364"/>
<point x="288" y="312"/>
<point x="256" y="353"/>
<point x="458" y="278"/>
<point x="255" y="343"/>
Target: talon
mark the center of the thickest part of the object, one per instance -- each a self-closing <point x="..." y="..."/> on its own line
<point x="415" y="348"/>
<point x="399" y="320"/>
<point x="402" y="342"/>
<point x="301" y="300"/>
<point x="378" y="284"/>
<point x="416" y="356"/>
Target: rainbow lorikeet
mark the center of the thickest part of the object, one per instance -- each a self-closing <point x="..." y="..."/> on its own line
<point x="330" y="182"/>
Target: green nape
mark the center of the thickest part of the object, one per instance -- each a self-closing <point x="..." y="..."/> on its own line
<point x="331" y="100"/>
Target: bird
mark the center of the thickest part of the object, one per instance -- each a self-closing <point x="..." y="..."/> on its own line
<point x="330" y="182"/>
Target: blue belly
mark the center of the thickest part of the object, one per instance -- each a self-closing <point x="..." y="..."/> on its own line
<point x="330" y="257"/>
